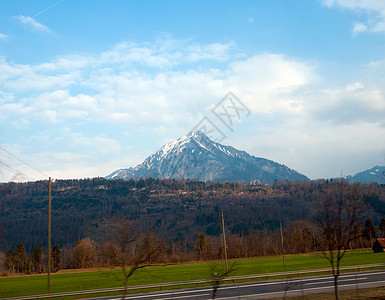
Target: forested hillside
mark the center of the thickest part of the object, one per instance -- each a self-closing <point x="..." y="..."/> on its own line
<point x="177" y="210"/>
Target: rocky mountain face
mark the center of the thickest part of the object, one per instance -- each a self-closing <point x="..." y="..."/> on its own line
<point x="195" y="156"/>
<point x="375" y="174"/>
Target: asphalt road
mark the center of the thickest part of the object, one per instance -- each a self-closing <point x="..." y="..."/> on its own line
<point x="271" y="288"/>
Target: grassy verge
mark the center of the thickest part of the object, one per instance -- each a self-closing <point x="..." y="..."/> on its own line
<point x="77" y="281"/>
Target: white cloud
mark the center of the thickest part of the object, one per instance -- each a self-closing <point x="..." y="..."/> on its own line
<point x="16" y="77"/>
<point x="66" y="63"/>
<point x="320" y="149"/>
<point x="359" y="27"/>
<point x="165" y="53"/>
<point x="144" y="88"/>
<point x="3" y="36"/>
<point x="100" y="143"/>
<point x="132" y="95"/>
<point x="354" y="86"/>
<point x="217" y="52"/>
<point x="46" y="107"/>
<point x="375" y="10"/>
<point x="32" y="23"/>
<point x="379" y="26"/>
<point x="354" y="104"/>
<point x="131" y="53"/>
<point x="267" y="81"/>
<point x="146" y="99"/>
<point x="39" y="82"/>
<point x="6" y="97"/>
<point x="77" y="156"/>
<point x="369" y="5"/>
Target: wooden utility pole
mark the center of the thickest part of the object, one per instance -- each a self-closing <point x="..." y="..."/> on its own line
<point x="224" y="244"/>
<point x="283" y="249"/>
<point x="49" y="236"/>
<point x="315" y="243"/>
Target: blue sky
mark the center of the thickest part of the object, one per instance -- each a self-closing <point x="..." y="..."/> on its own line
<point x="88" y="87"/>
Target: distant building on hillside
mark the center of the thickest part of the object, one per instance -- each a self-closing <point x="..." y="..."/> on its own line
<point x="379" y="245"/>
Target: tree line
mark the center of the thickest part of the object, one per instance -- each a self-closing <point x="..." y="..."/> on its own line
<point x="298" y="237"/>
<point x="175" y="210"/>
<point x="336" y="225"/>
<point x="20" y="261"/>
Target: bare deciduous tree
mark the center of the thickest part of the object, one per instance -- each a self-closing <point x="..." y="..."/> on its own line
<point x="109" y="253"/>
<point x="136" y="250"/>
<point x="298" y="237"/>
<point x="3" y="262"/>
<point x="84" y="254"/>
<point x="340" y="213"/>
<point x="218" y="273"/>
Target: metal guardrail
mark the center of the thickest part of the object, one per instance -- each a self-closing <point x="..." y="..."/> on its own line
<point x="192" y="282"/>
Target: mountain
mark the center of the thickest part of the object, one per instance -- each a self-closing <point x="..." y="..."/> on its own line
<point x="375" y="174"/>
<point x="195" y="156"/>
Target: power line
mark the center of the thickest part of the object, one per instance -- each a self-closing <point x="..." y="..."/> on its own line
<point x="16" y="172"/>
<point x="22" y="161"/>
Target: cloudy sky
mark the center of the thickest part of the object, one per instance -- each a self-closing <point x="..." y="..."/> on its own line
<point x="88" y="87"/>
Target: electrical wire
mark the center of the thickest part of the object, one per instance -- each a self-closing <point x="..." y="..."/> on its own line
<point x="22" y="161"/>
<point x="16" y="172"/>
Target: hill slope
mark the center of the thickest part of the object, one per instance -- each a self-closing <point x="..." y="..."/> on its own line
<point x="375" y="174"/>
<point x="175" y="209"/>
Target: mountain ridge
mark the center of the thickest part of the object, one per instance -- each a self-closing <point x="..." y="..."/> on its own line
<point x="375" y="174"/>
<point x="195" y="156"/>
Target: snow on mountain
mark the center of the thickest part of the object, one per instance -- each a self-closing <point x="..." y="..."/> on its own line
<point x="195" y="156"/>
<point x="375" y="174"/>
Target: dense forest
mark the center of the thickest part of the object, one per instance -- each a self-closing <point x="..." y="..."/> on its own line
<point x="178" y="211"/>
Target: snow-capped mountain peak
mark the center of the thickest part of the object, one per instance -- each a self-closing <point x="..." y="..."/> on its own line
<point x="195" y="156"/>
<point x="197" y="137"/>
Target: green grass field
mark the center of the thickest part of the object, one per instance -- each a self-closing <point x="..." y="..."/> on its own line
<point x="89" y="280"/>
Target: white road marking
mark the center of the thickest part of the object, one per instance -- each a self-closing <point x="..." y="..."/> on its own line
<point x="170" y="296"/>
<point x="366" y="273"/>
<point x="165" y="293"/>
<point x="181" y="297"/>
<point x="299" y="290"/>
<point x="224" y="287"/>
<point x="264" y="283"/>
